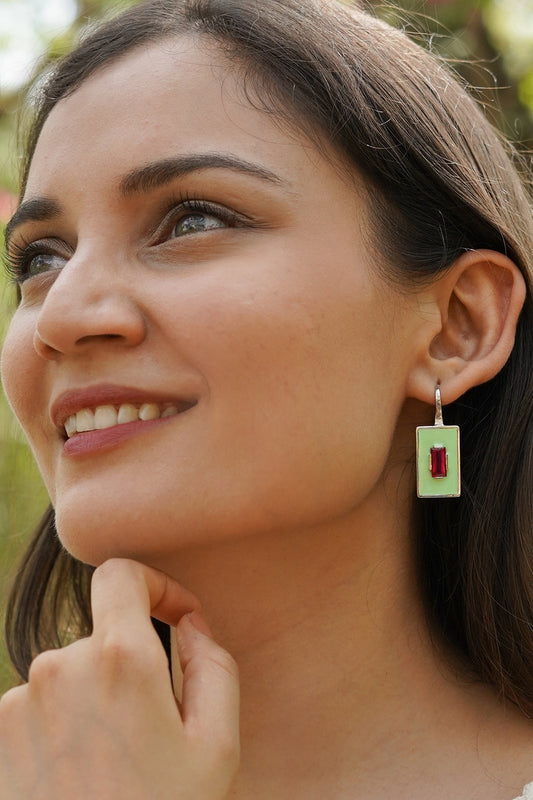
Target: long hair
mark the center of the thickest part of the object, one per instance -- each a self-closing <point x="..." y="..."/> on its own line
<point x="441" y="182"/>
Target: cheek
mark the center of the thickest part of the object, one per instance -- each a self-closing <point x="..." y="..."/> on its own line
<point x="17" y="368"/>
<point x="23" y="384"/>
<point x="300" y="400"/>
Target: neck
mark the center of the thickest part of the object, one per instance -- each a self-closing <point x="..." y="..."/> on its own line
<point x="254" y="590"/>
<point x="334" y="653"/>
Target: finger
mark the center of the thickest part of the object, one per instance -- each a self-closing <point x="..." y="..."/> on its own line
<point x="124" y="591"/>
<point x="210" y="704"/>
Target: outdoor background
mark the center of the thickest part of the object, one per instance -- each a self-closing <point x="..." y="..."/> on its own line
<point x="490" y="42"/>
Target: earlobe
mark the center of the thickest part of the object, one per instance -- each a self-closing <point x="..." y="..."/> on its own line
<point x="479" y="301"/>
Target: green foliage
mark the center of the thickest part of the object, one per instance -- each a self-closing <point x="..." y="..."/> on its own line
<point x="526" y="89"/>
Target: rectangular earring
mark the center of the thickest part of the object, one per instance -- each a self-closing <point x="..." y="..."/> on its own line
<point x="438" y="467"/>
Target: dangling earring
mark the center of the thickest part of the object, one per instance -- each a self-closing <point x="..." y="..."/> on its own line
<point x="438" y="468"/>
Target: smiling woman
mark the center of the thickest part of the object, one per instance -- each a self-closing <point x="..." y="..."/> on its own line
<point x="258" y="245"/>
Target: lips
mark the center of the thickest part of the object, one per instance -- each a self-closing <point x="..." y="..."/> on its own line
<point x="106" y="406"/>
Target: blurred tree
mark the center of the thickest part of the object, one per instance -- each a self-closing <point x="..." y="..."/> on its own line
<point x="488" y="42"/>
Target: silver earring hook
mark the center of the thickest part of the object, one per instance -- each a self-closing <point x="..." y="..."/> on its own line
<point x="438" y="408"/>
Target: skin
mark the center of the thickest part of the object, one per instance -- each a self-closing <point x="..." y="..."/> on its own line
<point x="282" y="498"/>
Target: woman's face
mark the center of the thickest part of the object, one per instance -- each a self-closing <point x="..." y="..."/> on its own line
<point x="199" y="290"/>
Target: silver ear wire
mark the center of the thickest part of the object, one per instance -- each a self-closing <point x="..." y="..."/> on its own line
<point x="438" y="407"/>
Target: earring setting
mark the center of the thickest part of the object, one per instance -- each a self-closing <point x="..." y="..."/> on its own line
<point x="438" y="468"/>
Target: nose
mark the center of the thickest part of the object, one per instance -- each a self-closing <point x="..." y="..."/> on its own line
<point x="88" y="304"/>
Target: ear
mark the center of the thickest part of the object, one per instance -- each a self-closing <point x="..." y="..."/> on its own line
<point x="470" y="336"/>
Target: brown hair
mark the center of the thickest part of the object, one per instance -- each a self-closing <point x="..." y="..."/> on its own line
<point x="442" y="183"/>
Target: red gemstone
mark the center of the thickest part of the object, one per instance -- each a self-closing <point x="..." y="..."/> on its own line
<point x="438" y="462"/>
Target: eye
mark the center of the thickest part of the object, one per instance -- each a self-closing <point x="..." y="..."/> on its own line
<point x="44" y="262"/>
<point x="196" y="216"/>
<point x="29" y="260"/>
<point x="196" y="222"/>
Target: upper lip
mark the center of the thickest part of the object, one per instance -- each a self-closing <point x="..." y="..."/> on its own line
<point x="74" y="400"/>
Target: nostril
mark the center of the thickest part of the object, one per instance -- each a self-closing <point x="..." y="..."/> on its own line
<point x="104" y="336"/>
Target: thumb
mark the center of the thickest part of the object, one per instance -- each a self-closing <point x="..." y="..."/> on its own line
<point x="210" y="700"/>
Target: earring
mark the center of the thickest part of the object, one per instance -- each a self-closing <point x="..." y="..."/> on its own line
<point x="438" y="468"/>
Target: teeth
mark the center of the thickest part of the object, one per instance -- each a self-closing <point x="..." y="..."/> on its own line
<point x="70" y="425"/>
<point x="149" y="411"/>
<point x="105" y="417"/>
<point x="108" y="416"/>
<point x="85" y="420"/>
<point x="127" y="413"/>
<point x="169" y="411"/>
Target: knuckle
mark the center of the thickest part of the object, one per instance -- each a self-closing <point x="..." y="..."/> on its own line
<point x="119" y="652"/>
<point x="10" y="702"/>
<point x="218" y="659"/>
<point x="116" y="649"/>
<point x="226" y="663"/>
<point x="45" y="668"/>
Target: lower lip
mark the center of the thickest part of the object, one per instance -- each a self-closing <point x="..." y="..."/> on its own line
<point x="97" y="441"/>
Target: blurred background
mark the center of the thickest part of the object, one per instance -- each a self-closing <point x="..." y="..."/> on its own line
<point x="489" y="42"/>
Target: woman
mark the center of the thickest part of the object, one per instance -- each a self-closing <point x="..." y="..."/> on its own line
<point x="258" y="246"/>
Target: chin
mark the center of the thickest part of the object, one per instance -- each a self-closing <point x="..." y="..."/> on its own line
<point x="88" y="539"/>
<point x="95" y="536"/>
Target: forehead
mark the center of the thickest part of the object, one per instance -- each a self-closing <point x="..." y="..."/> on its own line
<point x="180" y="95"/>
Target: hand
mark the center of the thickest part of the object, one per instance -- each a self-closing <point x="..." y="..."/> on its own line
<point x="98" y="720"/>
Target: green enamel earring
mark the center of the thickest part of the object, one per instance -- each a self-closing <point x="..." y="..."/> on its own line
<point x="438" y="468"/>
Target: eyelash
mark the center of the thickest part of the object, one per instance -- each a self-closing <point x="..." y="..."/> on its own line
<point x="19" y="256"/>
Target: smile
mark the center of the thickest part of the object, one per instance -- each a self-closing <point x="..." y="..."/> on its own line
<point x="109" y="416"/>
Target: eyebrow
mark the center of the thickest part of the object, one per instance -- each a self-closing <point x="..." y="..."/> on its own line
<point x="145" y="179"/>
<point x="37" y="209"/>
<point x="158" y="173"/>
